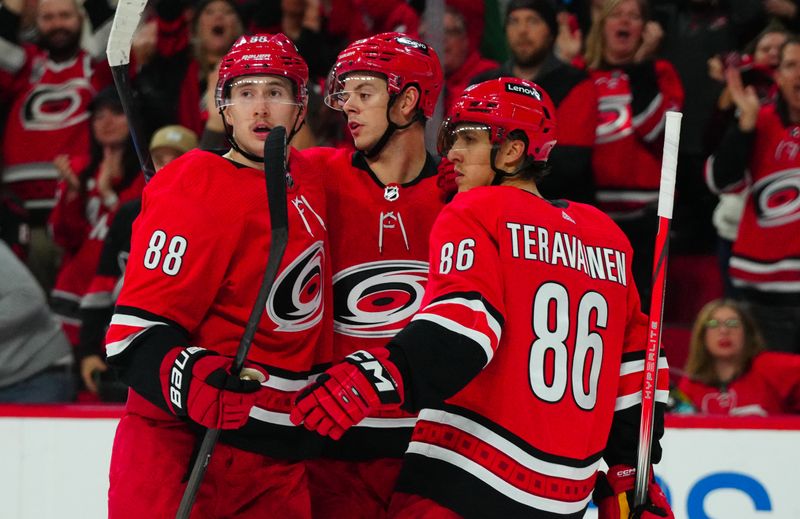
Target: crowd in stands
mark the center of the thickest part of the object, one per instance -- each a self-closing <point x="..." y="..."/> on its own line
<point x="71" y="181"/>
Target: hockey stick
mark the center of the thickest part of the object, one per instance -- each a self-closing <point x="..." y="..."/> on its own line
<point x="275" y="173"/>
<point x="666" y="197"/>
<point x="118" y="51"/>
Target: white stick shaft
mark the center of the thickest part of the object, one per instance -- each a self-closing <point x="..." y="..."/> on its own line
<point x="126" y="20"/>
<point x="669" y="163"/>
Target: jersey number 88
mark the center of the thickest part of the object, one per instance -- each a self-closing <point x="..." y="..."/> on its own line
<point x="173" y="259"/>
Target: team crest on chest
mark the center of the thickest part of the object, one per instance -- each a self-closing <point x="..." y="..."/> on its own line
<point x="296" y="300"/>
<point x="391" y="192"/>
<point x="377" y="299"/>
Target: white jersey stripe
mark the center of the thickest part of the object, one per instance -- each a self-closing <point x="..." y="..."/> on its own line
<point x="480" y="338"/>
<point x="474" y="305"/>
<point x="490" y="437"/>
<point x="626" y="401"/>
<point x="262" y="415"/>
<point x="637" y="366"/>
<point x="387" y="423"/>
<point x="131" y="320"/>
<point x="765" y="268"/>
<point x="115" y="348"/>
<point x="497" y="483"/>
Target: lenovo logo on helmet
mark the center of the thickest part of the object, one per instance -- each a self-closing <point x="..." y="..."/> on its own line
<point x="522" y="89"/>
<point x="408" y="42"/>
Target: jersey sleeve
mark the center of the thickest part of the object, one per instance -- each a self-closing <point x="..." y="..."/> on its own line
<point x="623" y="439"/>
<point x="726" y="170"/>
<point x="656" y="89"/>
<point x="67" y="220"/>
<point x="181" y="247"/>
<point x="457" y="330"/>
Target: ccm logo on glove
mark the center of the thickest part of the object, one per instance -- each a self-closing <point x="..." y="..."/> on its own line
<point x="381" y="380"/>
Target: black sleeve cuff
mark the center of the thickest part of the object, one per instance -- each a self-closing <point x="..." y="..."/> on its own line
<point x="644" y="85"/>
<point x="623" y="440"/>
<point x="435" y="363"/>
<point x="139" y="365"/>
<point x="732" y="156"/>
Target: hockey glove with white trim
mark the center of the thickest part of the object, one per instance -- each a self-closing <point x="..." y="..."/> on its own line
<point x="613" y="495"/>
<point x="347" y="392"/>
<point x="197" y="383"/>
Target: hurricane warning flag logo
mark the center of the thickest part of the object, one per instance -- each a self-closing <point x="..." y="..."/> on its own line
<point x="378" y="299"/>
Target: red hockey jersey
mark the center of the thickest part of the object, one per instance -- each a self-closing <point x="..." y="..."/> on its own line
<point x="531" y="332"/>
<point x="48" y="117"/>
<point x="627" y="154"/>
<point x="80" y="227"/>
<point x="379" y="259"/>
<point x="198" y="253"/>
<point x="770" y="386"/>
<point x="765" y="264"/>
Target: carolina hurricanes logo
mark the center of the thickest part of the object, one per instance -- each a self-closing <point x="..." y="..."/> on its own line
<point x="295" y="302"/>
<point x="52" y="107"/>
<point x="777" y="198"/>
<point x="718" y="403"/>
<point x="377" y="299"/>
<point x="615" y="118"/>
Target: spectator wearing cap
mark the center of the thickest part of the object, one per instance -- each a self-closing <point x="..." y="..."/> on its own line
<point x="169" y="143"/>
<point x="461" y="59"/>
<point x="97" y="304"/>
<point x="89" y="193"/>
<point x="531" y="29"/>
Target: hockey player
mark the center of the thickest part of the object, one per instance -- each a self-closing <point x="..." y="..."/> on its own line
<point x="384" y="194"/>
<point x="198" y="254"/>
<point x="526" y="359"/>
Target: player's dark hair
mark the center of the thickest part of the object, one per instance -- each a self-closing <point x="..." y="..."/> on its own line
<point x="529" y="169"/>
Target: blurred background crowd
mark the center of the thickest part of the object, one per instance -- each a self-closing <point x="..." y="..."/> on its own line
<point x="70" y="181"/>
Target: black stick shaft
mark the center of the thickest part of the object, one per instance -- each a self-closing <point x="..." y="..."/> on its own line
<point x="275" y="173"/>
<point x="122" y="82"/>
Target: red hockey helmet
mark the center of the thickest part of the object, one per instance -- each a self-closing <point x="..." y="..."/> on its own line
<point x="263" y="54"/>
<point x="504" y="105"/>
<point x="401" y="59"/>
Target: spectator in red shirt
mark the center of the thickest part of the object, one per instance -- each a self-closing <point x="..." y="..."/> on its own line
<point x="728" y="372"/>
<point x="90" y="191"/>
